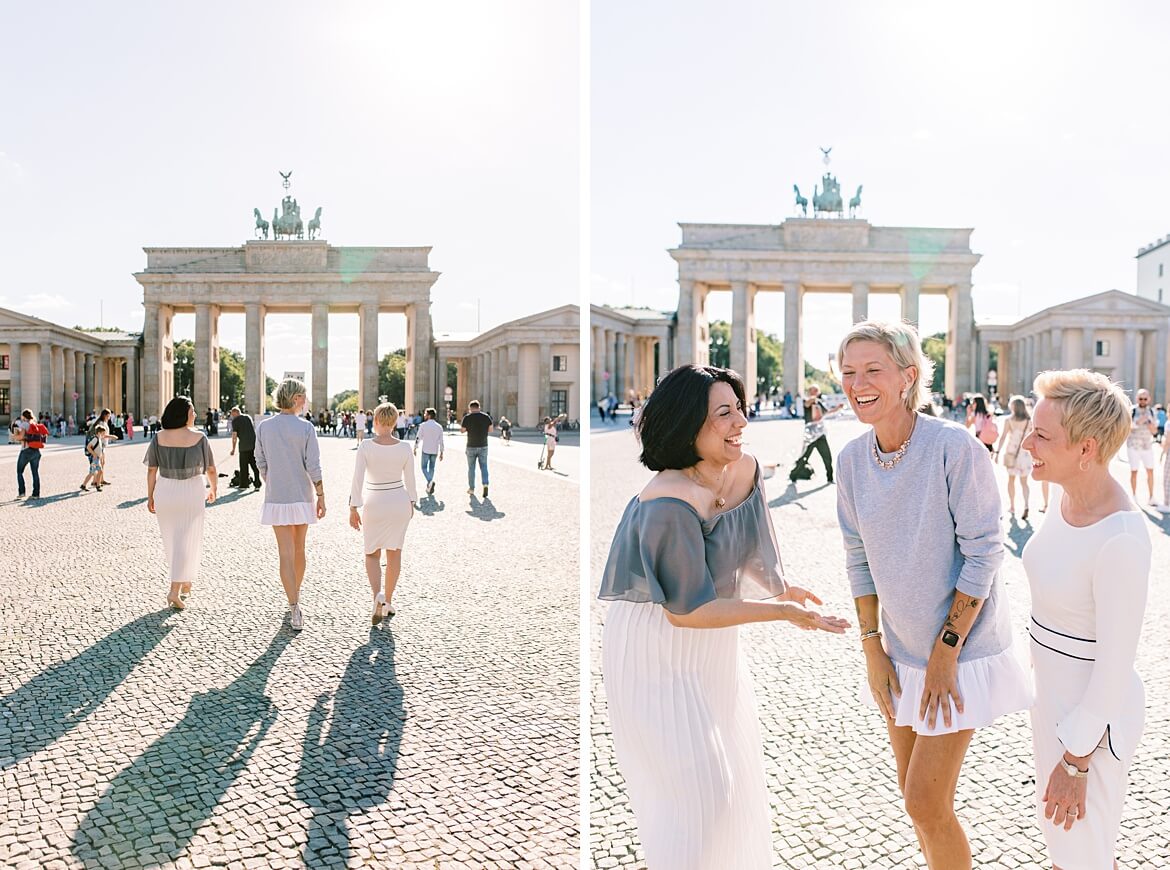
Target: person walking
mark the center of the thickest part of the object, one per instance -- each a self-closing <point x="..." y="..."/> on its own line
<point x="919" y="512"/>
<point x="289" y="459"/>
<point x="385" y="471"/>
<point x="550" y="438"/>
<point x="106" y="417"/>
<point x="430" y="439"/>
<point x="1139" y="446"/>
<point x="476" y="425"/>
<point x="1088" y="569"/>
<point x="32" y="436"/>
<point x="359" y="428"/>
<point x="1016" y="460"/>
<point x="244" y="435"/>
<point x="815" y="438"/>
<point x="95" y="449"/>
<point x="982" y="422"/>
<point x="129" y="427"/>
<point x="175" y="459"/>
<point x="401" y="424"/>
<point x="693" y="558"/>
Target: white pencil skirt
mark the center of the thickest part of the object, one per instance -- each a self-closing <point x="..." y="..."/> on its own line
<point x="179" y="506"/>
<point x="687" y="738"/>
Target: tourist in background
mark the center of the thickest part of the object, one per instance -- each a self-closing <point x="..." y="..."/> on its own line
<point x="1016" y="460"/>
<point x="381" y="503"/>
<point x="550" y="438"/>
<point x="981" y="421"/>
<point x="430" y="439"/>
<point x="401" y="424"/>
<point x="1088" y="568"/>
<point x="359" y="425"/>
<point x="919" y="511"/>
<point x="95" y="449"/>
<point x="815" y="438"/>
<point x="176" y="460"/>
<point x="32" y="437"/>
<point x="1139" y="446"/>
<point x="289" y="459"/>
<point x="693" y="558"/>
<point x="244" y="436"/>
<point x="476" y="425"/>
<point x="1160" y="414"/>
<point x="129" y="427"/>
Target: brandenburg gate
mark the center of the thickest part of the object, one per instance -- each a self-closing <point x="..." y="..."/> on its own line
<point x="821" y="255"/>
<point x="288" y="276"/>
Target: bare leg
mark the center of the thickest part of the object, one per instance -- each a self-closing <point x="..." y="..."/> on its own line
<point x="1012" y="493"/>
<point x="173" y="597"/>
<point x="285" y="546"/>
<point x="299" y="534"/>
<point x="393" y="569"/>
<point x="1133" y="483"/>
<point x="1150" y="482"/>
<point x="1024" y="490"/>
<point x="931" y="780"/>
<point x="374" y="571"/>
<point x="902" y="740"/>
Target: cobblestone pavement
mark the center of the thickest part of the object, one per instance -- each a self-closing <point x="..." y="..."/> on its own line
<point x="830" y="772"/>
<point x="131" y="736"/>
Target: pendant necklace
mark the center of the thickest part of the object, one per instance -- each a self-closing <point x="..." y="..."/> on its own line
<point x="719" y="500"/>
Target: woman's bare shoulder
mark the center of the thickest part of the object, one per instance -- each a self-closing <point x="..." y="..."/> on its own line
<point x="674" y="484"/>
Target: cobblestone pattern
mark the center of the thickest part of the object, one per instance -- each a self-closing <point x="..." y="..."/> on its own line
<point x="830" y="772"/>
<point x="131" y="736"/>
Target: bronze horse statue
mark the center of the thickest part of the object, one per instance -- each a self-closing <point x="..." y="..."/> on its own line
<point x="261" y="225"/>
<point x="801" y="202"/>
<point x="855" y="202"/>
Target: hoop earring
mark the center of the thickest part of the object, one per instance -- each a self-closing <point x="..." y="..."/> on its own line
<point x="1083" y="466"/>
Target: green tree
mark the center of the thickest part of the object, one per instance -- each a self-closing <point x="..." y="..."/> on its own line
<point x="98" y="328"/>
<point x="769" y="361"/>
<point x="720" y="344"/>
<point x="185" y="368"/>
<point x="935" y="348"/>
<point x="346" y="400"/>
<point x="231" y="377"/>
<point x="392" y="377"/>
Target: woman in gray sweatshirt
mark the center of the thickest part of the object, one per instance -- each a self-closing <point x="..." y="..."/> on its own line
<point x="919" y="510"/>
<point x="289" y="459"/>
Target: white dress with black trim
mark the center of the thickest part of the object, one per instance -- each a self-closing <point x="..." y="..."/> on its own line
<point x="1089" y="587"/>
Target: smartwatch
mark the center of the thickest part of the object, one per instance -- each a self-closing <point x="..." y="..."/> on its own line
<point x="950" y="638"/>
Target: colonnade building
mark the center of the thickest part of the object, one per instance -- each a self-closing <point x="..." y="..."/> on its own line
<point x="526" y="369"/>
<point x="58" y="370"/>
<point x="630" y="349"/>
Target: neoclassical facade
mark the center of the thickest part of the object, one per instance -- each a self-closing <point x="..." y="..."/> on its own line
<point x="55" y="369"/>
<point x="526" y="369"/>
<point x="630" y="349"/>
<point x="288" y="277"/>
<point x="1118" y="334"/>
<point x="1153" y="270"/>
<point x="803" y="256"/>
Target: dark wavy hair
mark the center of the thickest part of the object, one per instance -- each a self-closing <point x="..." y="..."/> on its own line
<point x="174" y="416"/>
<point x="675" y="412"/>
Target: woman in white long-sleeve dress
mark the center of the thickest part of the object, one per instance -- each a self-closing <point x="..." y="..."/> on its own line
<point x="1088" y="567"/>
<point x="690" y="559"/>
<point x="383" y="486"/>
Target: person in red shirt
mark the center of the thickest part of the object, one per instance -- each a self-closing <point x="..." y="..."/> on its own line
<point x="32" y="439"/>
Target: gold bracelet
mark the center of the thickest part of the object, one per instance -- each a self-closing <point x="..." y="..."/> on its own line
<point x="868" y="634"/>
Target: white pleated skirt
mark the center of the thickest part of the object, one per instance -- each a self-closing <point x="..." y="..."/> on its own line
<point x="297" y="513"/>
<point x="687" y="738"/>
<point x="179" y="506"/>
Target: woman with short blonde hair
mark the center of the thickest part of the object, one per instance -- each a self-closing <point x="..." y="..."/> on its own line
<point x="1088" y="567"/>
<point x="289" y="459"/>
<point x="919" y="491"/>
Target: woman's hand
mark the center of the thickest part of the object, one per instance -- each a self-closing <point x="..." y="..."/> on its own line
<point x="355" y="519"/>
<point x="941" y="686"/>
<point x="150" y="503"/>
<point x="882" y="677"/>
<point x="800" y="595"/>
<point x="810" y="620"/>
<point x="1064" y="797"/>
<point x="320" y="507"/>
<point x="211" y="496"/>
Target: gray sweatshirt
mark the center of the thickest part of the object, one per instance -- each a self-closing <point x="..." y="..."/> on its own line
<point x="916" y="533"/>
<point x="289" y="459"/>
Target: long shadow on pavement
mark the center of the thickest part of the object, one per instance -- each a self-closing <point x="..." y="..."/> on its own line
<point x="792" y="495"/>
<point x="56" y="700"/>
<point x="1018" y="535"/>
<point x="429" y="505"/>
<point x="153" y="808"/>
<point x="349" y="766"/>
<point x="484" y="510"/>
<point x="51" y="499"/>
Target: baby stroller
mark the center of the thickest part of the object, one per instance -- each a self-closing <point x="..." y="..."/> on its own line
<point x="801" y="470"/>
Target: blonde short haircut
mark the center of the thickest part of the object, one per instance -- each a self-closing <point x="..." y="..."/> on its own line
<point x="287" y="392"/>
<point x="1091" y="406"/>
<point x="386" y="414"/>
<point x="902" y="343"/>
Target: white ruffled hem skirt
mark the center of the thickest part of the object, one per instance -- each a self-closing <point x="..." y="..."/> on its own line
<point x="990" y="687"/>
<point x="298" y="513"/>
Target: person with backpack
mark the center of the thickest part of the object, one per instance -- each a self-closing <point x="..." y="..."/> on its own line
<point x="982" y="422"/>
<point x="32" y="440"/>
<point x="95" y="449"/>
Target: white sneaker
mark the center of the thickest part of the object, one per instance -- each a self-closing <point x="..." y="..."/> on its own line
<point x="296" y="619"/>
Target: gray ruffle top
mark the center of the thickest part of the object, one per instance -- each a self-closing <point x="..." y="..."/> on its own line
<point x="664" y="552"/>
<point x="180" y="463"/>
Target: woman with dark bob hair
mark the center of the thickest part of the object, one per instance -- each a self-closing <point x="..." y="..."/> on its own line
<point x="693" y="558"/>
<point x="174" y="461"/>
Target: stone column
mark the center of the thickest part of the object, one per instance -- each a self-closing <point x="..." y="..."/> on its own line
<point x="1056" y="342"/>
<point x="911" y="290"/>
<point x="1131" y="362"/>
<point x="1160" y="355"/>
<point x="544" y="407"/>
<point x="1088" y="348"/>
<point x="627" y="369"/>
<point x="472" y="383"/>
<point x="687" y="345"/>
<point x="489" y="383"/>
<point x="204" y="388"/>
<point x="793" y="344"/>
<point x="1044" y="355"/>
<point x="512" y="398"/>
<point x="368" y="383"/>
<point x="57" y="380"/>
<point x="460" y="386"/>
<point x="618" y="374"/>
<point x="743" y="333"/>
<point x="423" y="345"/>
<point x="984" y="367"/>
<point x="255" y="382"/>
<point x="597" y="363"/>
<point x="16" y="391"/>
<point x="69" y="381"/>
<point x="665" y="354"/>
<point x="320" y="364"/>
<point x="611" y="361"/>
<point x="79" y="375"/>
<point x="46" y="378"/>
<point x="860" y="301"/>
<point x="99" y="384"/>
<point x="88" y="392"/>
<point x="960" y="344"/>
<point x="132" y="385"/>
<point x="152" y="361"/>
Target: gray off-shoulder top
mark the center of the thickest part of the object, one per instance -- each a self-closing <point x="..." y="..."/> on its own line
<point x="664" y="552"/>
<point x="180" y="463"/>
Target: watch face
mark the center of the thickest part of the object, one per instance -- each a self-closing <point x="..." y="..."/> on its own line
<point x="950" y="638"/>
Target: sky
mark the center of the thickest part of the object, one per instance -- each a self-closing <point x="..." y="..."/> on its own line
<point x="1043" y="126"/>
<point x="139" y="124"/>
